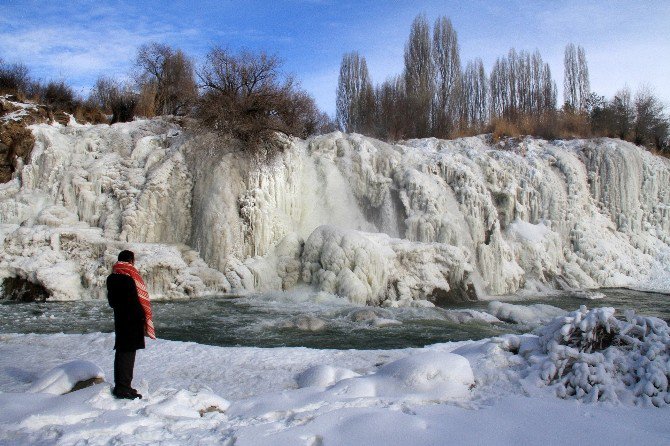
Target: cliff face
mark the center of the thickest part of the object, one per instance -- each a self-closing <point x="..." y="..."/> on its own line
<point x="346" y="214"/>
<point x="16" y="141"/>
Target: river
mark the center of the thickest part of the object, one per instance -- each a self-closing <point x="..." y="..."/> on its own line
<point x="310" y="320"/>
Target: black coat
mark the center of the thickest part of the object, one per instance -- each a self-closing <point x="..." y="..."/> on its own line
<point x="128" y="313"/>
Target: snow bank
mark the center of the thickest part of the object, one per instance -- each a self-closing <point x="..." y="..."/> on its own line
<point x="61" y="379"/>
<point x="323" y="376"/>
<point x="197" y="394"/>
<point x="432" y="375"/>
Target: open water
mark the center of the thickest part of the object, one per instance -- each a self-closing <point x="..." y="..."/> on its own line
<point x="279" y="319"/>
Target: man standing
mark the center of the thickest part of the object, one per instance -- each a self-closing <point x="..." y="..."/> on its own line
<point x="127" y="295"/>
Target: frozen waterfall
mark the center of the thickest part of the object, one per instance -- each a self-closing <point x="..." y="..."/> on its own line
<point x="374" y="222"/>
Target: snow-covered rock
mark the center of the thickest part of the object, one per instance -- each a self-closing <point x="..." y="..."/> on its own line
<point x="62" y="379"/>
<point x="528" y="315"/>
<point x="433" y="375"/>
<point x="323" y="376"/>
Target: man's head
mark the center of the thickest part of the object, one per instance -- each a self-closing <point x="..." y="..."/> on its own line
<point x="127" y="256"/>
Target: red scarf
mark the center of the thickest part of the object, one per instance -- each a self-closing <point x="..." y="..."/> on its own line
<point x="128" y="269"/>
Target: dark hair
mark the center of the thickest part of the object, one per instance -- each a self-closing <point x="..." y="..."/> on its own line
<point x="126" y="256"/>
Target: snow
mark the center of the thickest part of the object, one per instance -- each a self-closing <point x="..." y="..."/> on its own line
<point x="528" y="315"/>
<point x="593" y="356"/>
<point x="22" y="109"/>
<point x="433" y="375"/>
<point x="467" y="392"/>
<point x="61" y="379"/>
<point x="323" y="376"/>
<point x="375" y="223"/>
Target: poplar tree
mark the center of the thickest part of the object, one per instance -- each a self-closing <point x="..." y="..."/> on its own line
<point x="475" y="95"/>
<point x="447" y="63"/>
<point x="576" y="85"/>
<point x="355" y="96"/>
<point x="418" y="74"/>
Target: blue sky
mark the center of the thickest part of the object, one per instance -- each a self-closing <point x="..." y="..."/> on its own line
<point x="626" y="43"/>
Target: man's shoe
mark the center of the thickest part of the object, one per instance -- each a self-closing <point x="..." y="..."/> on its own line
<point x="125" y="395"/>
<point x="136" y="393"/>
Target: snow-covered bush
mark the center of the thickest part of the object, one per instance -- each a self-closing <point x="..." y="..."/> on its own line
<point x="593" y="356"/>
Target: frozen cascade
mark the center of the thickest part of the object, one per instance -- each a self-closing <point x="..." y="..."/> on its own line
<point x="90" y="191"/>
<point x="423" y="219"/>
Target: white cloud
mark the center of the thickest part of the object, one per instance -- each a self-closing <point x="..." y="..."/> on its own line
<point x="88" y="47"/>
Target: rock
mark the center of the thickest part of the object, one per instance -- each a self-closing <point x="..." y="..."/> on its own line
<point x="61" y="118"/>
<point x="23" y="290"/>
<point x="365" y="314"/>
<point x="210" y="409"/>
<point x="310" y="323"/>
<point x="86" y="383"/>
<point x="16" y="139"/>
<point x="305" y="323"/>
<point x="67" y="378"/>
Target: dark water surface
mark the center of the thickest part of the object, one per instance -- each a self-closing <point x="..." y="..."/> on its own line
<point x="273" y="319"/>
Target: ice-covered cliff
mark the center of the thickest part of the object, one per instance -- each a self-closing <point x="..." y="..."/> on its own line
<point x="346" y="214"/>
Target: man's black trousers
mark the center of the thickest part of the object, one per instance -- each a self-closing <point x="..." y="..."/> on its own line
<point x="124" y="363"/>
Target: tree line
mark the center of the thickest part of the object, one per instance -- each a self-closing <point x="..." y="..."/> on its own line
<point x="242" y="94"/>
<point x="437" y="96"/>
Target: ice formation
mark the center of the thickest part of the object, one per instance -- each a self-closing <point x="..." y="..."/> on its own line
<point x="425" y="220"/>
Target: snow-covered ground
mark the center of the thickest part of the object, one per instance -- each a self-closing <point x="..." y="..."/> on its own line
<point x="559" y="386"/>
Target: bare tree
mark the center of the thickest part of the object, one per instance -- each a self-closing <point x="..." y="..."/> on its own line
<point x="549" y="90"/>
<point x="651" y="125"/>
<point x="570" y="74"/>
<point x="418" y="76"/>
<point x="59" y="95"/>
<point x="499" y="88"/>
<point x="576" y="85"/>
<point x="623" y="113"/>
<point x="475" y="95"/>
<point x="355" y="95"/>
<point x="104" y="92"/>
<point x="114" y="98"/>
<point x="447" y="63"/>
<point x="169" y="74"/>
<point x="246" y="95"/>
<point x="583" y="78"/>
<point x="392" y="120"/>
<point x="521" y="86"/>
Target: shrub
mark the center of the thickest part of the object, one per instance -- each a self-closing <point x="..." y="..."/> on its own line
<point x="123" y="105"/>
<point x="593" y="356"/>
<point x="246" y="95"/>
<point x="59" y="96"/>
<point x="14" y="79"/>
